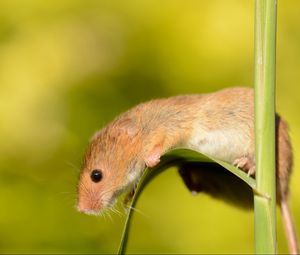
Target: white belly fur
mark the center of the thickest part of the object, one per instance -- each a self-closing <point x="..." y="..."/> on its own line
<point x="226" y="145"/>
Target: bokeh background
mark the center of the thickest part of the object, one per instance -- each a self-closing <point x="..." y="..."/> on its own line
<point x="69" y="67"/>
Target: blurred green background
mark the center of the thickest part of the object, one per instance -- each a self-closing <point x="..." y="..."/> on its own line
<point x="68" y="67"/>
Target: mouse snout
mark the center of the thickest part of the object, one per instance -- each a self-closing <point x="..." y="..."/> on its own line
<point x="89" y="207"/>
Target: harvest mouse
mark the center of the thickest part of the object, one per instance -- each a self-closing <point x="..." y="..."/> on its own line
<point x="219" y="124"/>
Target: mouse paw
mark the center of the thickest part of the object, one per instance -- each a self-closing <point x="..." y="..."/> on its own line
<point x="246" y="165"/>
<point x="153" y="158"/>
<point x="242" y="163"/>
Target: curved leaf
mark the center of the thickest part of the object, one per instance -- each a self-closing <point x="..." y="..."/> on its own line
<point x="174" y="157"/>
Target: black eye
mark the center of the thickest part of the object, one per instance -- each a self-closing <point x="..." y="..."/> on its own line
<point x="96" y="175"/>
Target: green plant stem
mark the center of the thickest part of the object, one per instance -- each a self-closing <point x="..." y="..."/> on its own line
<point x="264" y="82"/>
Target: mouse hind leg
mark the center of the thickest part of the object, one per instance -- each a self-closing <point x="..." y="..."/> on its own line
<point x="202" y="177"/>
<point x="191" y="179"/>
<point x="214" y="180"/>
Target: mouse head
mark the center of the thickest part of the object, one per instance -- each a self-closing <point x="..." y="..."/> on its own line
<point x="111" y="165"/>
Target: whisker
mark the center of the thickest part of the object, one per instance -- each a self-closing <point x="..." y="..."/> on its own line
<point x="74" y="167"/>
<point x="103" y="214"/>
<point x="109" y="216"/>
<point x="113" y="209"/>
<point x="136" y="210"/>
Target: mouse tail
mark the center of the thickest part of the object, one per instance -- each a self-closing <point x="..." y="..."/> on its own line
<point x="290" y="230"/>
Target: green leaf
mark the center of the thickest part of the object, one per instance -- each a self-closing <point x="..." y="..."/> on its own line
<point x="171" y="158"/>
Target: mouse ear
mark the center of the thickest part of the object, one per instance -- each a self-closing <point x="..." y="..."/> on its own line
<point x="153" y="156"/>
<point x="128" y="126"/>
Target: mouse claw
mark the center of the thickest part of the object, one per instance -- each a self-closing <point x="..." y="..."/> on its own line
<point x="251" y="171"/>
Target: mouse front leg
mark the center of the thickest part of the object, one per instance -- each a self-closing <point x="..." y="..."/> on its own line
<point x="154" y="151"/>
<point x="153" y="158"/>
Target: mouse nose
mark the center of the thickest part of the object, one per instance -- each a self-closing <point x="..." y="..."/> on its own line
<point x="89" y="207"/>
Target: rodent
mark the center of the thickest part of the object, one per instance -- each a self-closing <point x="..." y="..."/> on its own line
<point x="219" y="124"/>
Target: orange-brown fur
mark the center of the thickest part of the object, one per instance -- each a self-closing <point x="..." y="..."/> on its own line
<point x="163" y="124"/>
<point x="220" y="124"/>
